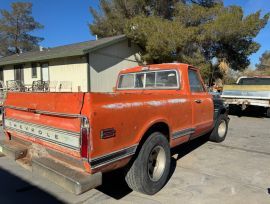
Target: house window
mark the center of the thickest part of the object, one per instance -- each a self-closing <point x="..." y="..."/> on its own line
<point x="34" y="70"/>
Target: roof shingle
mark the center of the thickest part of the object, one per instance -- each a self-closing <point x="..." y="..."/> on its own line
<point x="61" y="51"/>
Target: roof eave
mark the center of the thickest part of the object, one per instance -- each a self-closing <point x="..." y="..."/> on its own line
<point x="61" y="54"/>
<point x="107" y="44"/>
<point x="42" y="58"/>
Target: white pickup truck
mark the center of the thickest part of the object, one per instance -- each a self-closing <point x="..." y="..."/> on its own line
<point x="249" y="91"/>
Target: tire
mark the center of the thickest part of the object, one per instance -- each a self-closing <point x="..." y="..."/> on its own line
<point x="142" y="176"/>
<point x="220" y="130"/>
<point x="268" y="112"/>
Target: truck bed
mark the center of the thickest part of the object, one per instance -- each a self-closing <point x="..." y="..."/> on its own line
<point x="56" y="120"/>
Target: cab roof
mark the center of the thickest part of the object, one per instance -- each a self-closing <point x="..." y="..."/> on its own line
<point x="153" y="67"/>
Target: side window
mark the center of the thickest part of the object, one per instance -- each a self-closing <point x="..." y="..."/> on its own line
<point x="126" y="81"/>
<point x="166" y="79"/>
<point x="195" y="82"/>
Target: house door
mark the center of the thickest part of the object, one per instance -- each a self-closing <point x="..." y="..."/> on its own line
<point x="45" y="72"/>
<point x="18" y="73"/>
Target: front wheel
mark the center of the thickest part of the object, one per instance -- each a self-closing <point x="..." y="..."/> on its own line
<point x="220" y="130"/>
<point x="149" y="172"/>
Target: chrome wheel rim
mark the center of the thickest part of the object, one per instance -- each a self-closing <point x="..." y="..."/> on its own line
<point x="222" y="129"/>
<point x="156" y="163"/>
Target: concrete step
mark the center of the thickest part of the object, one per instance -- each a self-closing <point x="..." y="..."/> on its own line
<point x="13" y="149"/>
<point x="72" y="180"/>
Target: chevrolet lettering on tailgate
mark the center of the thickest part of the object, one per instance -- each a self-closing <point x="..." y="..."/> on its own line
<point x="58" y="136"/>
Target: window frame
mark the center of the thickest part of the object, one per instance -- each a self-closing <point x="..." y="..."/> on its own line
<point x="178" y="80"/>
<point x="134" y="81"/>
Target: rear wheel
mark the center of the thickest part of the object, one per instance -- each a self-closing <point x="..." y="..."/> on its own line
<point x="220" y="130"/>
<point x="268" y="113"/>
<point x="149" y="172"/>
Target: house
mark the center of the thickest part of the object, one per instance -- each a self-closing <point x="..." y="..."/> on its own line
<point x="89" y="66"/>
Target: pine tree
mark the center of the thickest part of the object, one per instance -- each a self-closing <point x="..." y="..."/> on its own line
<point x="197" y="32"/>
<point x="15" y="28"/>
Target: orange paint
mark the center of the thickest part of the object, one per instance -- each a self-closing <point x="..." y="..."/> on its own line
<point x="129" y="112"/>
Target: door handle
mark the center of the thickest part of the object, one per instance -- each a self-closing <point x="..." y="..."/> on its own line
<point x="198" y="101"/>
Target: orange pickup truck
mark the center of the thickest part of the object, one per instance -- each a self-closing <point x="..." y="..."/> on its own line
<point x="73" y="138"/>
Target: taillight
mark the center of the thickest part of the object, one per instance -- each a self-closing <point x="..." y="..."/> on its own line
<point x="84" y="138"/>
<point x="84" y="145"/>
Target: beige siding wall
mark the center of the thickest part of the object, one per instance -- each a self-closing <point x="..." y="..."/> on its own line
<point x="27" y="72"/>
<point x="107" y="62"/>
<point x="105" y="66"/>
<point x="8" y="73"/>
<point x="72" y="69"/>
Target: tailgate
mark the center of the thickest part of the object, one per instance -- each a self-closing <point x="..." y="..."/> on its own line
<point x="70" y="103"/>
<point x="246" y="91"/>
<point x="52" y="120"/>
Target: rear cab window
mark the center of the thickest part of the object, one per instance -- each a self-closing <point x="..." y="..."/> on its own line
<point x="161" y="79"/>
<point x="254" y="81"/>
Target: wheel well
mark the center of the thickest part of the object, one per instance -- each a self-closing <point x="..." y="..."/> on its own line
<point x="157" y="127"/>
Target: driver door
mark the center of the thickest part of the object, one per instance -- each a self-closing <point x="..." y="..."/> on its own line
<point x="202" y="104"/>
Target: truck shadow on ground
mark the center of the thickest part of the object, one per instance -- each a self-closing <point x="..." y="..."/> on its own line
<point x="17" y="190"/>
<point x="254" y="112"/>
<point x="114" y="184"/>
<point x="184" y="149"/>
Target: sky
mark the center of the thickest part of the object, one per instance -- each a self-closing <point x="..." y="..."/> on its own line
<point x="66" y="21"/>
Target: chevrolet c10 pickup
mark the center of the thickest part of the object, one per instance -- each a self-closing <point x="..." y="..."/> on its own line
<point x="72" y="139"/>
